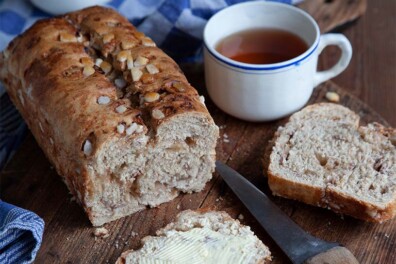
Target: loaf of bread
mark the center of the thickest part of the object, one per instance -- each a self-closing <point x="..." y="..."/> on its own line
<point x="324" y="158"/>
<point x="112" y="112"/>
<point x="200" y="237"/>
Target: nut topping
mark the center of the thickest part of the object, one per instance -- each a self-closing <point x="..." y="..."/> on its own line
<point x="88" y="71"/>
<point x="148" y="42"/>
<point x="140" y="61"/>
<point x="202" y="99"/>
<point x="87" y="148"/>
<point x="98" y="61"/>
<point x="120" y="128"/>
<point x="67" y="37"/>
<point x="157" y="114"/>
<point x="121" y="109"/>
<point x="129" y="62"/>
<point x="136" y="74"/>
<point x="179" y="86"/>
<point x="107" y="38"/>
<point x="123" y="55"/>
<point x="103" y="100"/>
<point x="151" y="97"/>
<point x="106" y="67"/>
<point x="127" y="44"/>
<point x="152" y="69"/>
<point x="132" y="128"/>
<point x="86" y="61"/>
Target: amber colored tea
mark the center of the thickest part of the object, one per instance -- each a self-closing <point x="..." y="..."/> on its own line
<point x="262" y="46"/>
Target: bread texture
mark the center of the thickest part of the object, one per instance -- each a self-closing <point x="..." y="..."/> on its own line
<point x="324" y="158"/>
<point x="200" y="237"/>
<point x="112" y="112"/>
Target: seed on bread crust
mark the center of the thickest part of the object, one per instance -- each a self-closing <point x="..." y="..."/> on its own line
<point x="157" y="114"/>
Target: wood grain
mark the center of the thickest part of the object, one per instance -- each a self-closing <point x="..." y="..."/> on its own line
<point x="330" y="14"/>
<point x="371" y="74"/>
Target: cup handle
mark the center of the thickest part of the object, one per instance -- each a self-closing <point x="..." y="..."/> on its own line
<point x="346" y="54"/>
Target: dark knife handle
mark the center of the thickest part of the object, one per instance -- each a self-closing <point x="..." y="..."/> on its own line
<point x="336" y="255"/>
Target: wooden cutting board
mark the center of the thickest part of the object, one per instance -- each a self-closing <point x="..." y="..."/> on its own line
<point x="31" y="182"/>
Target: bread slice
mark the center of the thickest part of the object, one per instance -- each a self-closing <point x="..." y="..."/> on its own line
<point x="113" y="113"/>
<point x="324" y="158"/>
<point x="200" y="237"/>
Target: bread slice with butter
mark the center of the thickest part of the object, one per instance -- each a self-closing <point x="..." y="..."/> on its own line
<point x="200" y="237"/>
<point x="324" y="158"/>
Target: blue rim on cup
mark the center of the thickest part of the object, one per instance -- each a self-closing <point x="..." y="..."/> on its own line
<point x="274" y="66"/>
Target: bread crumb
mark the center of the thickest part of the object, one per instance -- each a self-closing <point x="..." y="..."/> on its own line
<point x="178" y="207"/>
<point x="225" y="140"/>
<point x="134" y="234"/>
<point x="222" y="127"/>
<point x="332" y="97"/>
<point x="225" y="135"/>
<point x="387" y="235"/>
<point x="241" y="217"/>
<point x="101" y="232"/>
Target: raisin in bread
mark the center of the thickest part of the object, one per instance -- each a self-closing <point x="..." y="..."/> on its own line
<point x="200" y="237"/>
<point x="112" y="112"/>
<point x="324" y="158"/>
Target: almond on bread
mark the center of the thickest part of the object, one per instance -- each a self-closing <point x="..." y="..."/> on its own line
<point x="324" y="158"/>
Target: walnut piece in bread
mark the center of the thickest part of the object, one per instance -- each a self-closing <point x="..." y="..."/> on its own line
<point x="324" y="158"/>
<point x="202" y="237"/>
<point x="121" y="141"/>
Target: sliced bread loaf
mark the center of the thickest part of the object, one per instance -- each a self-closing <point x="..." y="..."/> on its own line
<point x="324" y="158"/>
<point x="200" y="237"/>
<point x="112" y="112"/>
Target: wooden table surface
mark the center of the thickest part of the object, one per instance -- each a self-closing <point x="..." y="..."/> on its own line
<point x="30" y="182"/>
<point x="371" y="75"/>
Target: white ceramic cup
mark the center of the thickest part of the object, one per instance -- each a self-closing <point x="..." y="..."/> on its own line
<point x="263" y="92"/>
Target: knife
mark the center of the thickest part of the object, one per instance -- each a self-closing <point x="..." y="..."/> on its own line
<point x="296" y="243"/>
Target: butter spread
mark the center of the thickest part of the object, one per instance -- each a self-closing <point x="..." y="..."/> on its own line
<point x="196" y="246"/>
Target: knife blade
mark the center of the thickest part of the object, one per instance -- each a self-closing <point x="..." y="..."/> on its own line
<point x="297" y="244"/>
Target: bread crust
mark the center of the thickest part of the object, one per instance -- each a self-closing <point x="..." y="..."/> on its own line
<point x="294" y="190"/>
<point x="326" y="196"/>
<point x="44" y="76"/>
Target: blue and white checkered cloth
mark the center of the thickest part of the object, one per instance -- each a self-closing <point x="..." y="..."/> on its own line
<point x="175" y="25"/>
<point x="21" y="232"/>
